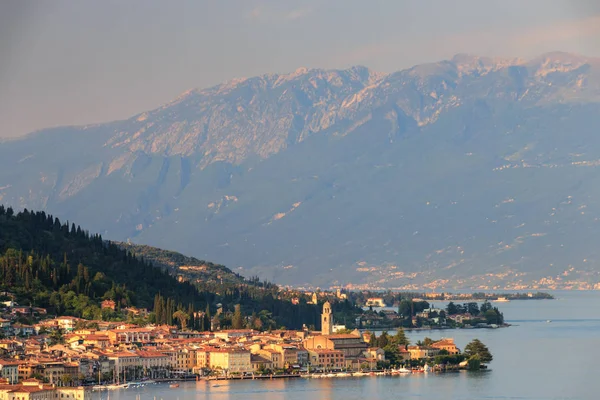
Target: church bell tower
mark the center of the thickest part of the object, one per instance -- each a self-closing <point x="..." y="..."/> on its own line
<point x="326" y="320"/>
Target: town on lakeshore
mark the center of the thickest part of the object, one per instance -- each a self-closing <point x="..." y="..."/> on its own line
<point x="67" y="357"/>
<point x="79" y="313"/>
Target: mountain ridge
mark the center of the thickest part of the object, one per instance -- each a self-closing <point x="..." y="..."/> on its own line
<point x="296" y="177"/>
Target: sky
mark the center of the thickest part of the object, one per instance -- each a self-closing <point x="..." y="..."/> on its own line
<point x="86" y="61"/>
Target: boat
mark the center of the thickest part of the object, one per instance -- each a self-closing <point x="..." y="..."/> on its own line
<point x="548" y="321"/>
<point x="174" y="385"/>
<point x="404" y="371"/>
<point x="501" y="300"/>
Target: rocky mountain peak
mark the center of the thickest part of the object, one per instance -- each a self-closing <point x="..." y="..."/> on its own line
<point x="456" y="170"/>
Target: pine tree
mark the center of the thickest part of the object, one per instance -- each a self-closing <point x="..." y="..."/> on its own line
<point x="477" y="349"/>
<point x="373" y="340"/>
<point x="237" y="320"/>
<point x="207" y="325"/>
<point x="400" y="338"/>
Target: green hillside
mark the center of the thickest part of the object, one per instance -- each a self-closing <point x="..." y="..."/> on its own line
<point x="199" y="272"/>
<point x="65" y="269"/>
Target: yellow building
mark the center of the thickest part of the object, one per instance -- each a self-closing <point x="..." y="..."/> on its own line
<point x="448" y="345"/>
<point x="418" y="352"/>
<point x="153" y="363"/>
<point x="124" y="361"/>
<point x="272" y="355"/>
<point x="351" y="345"/>
<point x="327" y="359"/>
<point x="202" y="358"/>
<point x="33" y="389"/>
<point x="289" y="354"/>
<point x="230" y="360"/>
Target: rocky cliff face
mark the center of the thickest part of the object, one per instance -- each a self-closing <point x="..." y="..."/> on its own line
<point x="467" y="172"/>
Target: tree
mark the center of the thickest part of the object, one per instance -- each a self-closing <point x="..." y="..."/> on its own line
<point x="372" y="339"/>
<point x="425" y="342"/>
<point x="182" y="317"/>
<point x="405" y="308"/>
<point x="491" y="317"/>
<point x="451" y="309"/>
<point x="476" y="348"/>
<point x="56" y="337"/>
<point x="400" y="339"/>
<point x="485" y="307"/>
<point x="383" y="340"/>
<point x="207" y="318"/>
<point x="237" y="319"/>
<point x="473" y="308"/>
<point x="474" y="363"/>
<point x="392" y="354"/>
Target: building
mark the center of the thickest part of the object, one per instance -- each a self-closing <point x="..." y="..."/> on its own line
<point x="231" y="360"/>
<point x="129" y="336"/>
<point x="33" y="389"/>
<point x="234" y="333"/>
<point x="9" y="370"/>
<point x="289" y="355"/>
<point x="375" y="353"/>
<point x="260" y="363"/>
<point x="67" y="323"/>
<point x="418" y="352"/>
<point x="375" y="302"/>
<point x="108" y="304"/>
<point x="448" y="345"/>
<point x="327" y="359"/>
<point x="52" y="371"/>
<point x="351" y="345"/>
<point x="97" y="341"/>
<point x="124" y="361"/>
<point x="326" y="320"/>
<point x="153" y="363"/>
<point x="272" y="355"/>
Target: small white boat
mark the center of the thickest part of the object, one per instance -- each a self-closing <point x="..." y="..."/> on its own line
<point x="404" y="371"/>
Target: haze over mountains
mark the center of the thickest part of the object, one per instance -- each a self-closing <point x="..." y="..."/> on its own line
<point x="471" y="172"/>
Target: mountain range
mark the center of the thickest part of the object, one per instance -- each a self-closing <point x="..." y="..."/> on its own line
<point x="471" y="172"/>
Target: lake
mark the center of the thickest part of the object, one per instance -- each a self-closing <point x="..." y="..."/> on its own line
<point x="533" y="359"/>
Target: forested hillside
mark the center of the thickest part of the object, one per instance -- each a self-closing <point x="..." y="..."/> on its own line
<point x="199" y="272"/>
<point x="59" y="266"/>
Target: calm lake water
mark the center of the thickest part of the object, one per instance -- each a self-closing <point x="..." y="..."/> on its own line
<point x="533" y="359"/>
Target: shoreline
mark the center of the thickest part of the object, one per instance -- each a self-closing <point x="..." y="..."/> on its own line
<point x="392" y="328"/>
<point x="316" y="375"/>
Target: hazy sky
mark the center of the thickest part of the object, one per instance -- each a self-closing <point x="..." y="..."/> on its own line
<point x="76" y="62"/>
